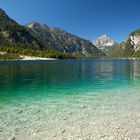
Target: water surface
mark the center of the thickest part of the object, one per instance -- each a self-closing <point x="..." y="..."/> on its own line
<point x="68" y="94"/>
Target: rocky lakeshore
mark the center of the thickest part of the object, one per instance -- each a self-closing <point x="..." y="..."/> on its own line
<point x="84" y="118"/>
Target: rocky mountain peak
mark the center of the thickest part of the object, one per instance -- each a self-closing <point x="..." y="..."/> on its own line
<point x="103" y="41"/>
<point x="2" y="11"/>
<point x="3" y="15"/>
<point x="39" y="36"/>
<point x="36" y="25"/>
<point x="105" y="44"/>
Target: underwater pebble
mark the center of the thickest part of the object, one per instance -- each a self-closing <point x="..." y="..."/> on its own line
<point x="65" y="119"/>
<point x="54" y="135"/>
<point x="70" y="113"/>
<point x="20" y="111"/>
<point x="1" y="130"/>
<point x="63" y="131"/>
<point x="12" y="138"/>
<point x="103" y="136"/>
<point x="83" y="106"/>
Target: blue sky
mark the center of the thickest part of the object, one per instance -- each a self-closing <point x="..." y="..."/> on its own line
<point x="85" y="18"/>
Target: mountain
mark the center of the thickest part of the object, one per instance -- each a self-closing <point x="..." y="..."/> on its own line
<point x="134" y="42"/>
<point x="41" y="32"/>
<point x="129" y="47"/>
<point x="12" y="32"/>
<point x="41" y="37"/>
<point x="62" y="41"/>
<point x="103" y="41"/>
<point x="105" y="44"/>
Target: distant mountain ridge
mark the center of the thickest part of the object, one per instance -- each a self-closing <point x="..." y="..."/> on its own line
<point x="40" y="37"/>
<point x="129" y="47"/>
<point x="105" y="44"/>
<point x="103" y="41"/>
<point x="63" y="41"/>
<point x="12" y="32"/>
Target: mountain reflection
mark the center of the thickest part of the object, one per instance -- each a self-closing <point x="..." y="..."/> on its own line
<point x="49" y="76"/>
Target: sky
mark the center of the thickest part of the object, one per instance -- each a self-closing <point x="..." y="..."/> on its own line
<point x="85" y="18"/>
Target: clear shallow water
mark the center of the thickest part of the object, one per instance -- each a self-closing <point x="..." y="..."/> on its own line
<point x="107" y="91"/>
<point x="58" y="78"/>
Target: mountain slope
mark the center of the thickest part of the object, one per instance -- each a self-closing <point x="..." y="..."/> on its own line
<point x="12" y="32"/>
<point x="105" y="44"/>
<point x="63" y="41"/>
<point x="130" y="47"/>
<point x="40" y="37"/>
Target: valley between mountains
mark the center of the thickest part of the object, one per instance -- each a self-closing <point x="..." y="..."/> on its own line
<point x="39" y="40"/>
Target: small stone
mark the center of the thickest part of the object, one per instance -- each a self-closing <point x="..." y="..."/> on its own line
<point x="64" y="119"/>
<point x="37" y="131"/>
<point x="38" y="111"/>
<point x="118" y="128"/>
<point x="34" y="134"/>
<point x="63" y="131"/>
<point x="20" y="111"/>
<point x="54" y="135"/>
<point x="87" y="114"/>
<point x="60" y="128"/>
<point x="1" y="130"/>
<point x="12" y="138"/>
<point x="103" y="136"/>
<point x="16" y="130"/>
<point x="83" y="106"/>
<point x="70" y="113"/>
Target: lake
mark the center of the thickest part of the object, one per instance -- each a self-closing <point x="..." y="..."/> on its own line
<point x="70" y="100"/>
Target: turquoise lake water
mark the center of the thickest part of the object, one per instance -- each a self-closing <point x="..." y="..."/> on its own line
<point x="53" y="79"/>
<point x="107" y="91"/>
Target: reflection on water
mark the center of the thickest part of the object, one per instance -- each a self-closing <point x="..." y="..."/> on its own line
<point x="67" y="76"/>
<point x="136" y="70"/>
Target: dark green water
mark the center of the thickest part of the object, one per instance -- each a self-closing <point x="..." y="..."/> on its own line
<point x="22" y="80"/>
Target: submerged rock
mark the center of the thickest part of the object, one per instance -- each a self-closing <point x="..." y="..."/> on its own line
<point x="12" y="138"/>
<point x="20" y="111"/>
<point x="83" y="106"/>
<point x="1" y="130"/>
<point x="62" y="130"/>
<point x="70" y="113"/>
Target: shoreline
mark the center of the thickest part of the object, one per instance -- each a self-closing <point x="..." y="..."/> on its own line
<point x="35" y="58"/>
<point x="32" y="58"/>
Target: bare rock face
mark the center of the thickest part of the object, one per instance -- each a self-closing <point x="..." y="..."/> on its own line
<point x="103" y="41"/>
<point x="135" y="42"/>
<point x="41" y="37"/>
<point x="63" y="41"/>
<point x="12" y="32"/>
<point x="130" y="47"/>
<point x="105" y="44"/>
